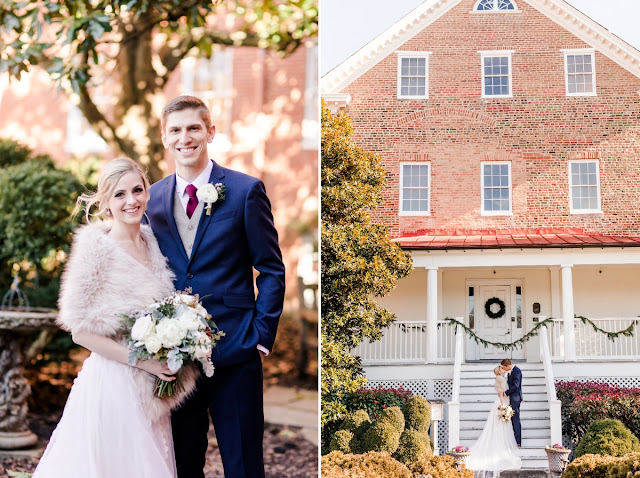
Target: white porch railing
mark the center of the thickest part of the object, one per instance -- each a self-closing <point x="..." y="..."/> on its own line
<point x="405" y="342"/>
<point x="555" y="415"/>
<point x="454" y="404"/>
<point x="593" y="345"/>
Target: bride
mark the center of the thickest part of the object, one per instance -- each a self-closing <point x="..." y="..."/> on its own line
<point x="495" y="449"/>
<point x="113" y="425"/>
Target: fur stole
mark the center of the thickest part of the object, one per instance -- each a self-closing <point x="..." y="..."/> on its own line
<point x="100" y="281"/>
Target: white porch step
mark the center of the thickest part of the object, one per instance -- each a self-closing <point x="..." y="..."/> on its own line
<point x="476" y="399"/>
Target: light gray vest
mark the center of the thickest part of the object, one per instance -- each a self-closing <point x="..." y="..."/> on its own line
<point x="186" y="227"/>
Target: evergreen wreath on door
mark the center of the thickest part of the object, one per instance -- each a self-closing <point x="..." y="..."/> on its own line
<point x="501" y="308"/>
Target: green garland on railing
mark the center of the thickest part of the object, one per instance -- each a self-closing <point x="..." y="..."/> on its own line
<point x="628" y="332"/>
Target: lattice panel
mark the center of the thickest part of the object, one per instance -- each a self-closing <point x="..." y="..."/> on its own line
<point x="627" y="382"/>
<point x="433" y="389"/>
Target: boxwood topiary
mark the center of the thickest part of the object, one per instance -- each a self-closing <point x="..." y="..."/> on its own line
<point x="417" y="414"/>
<point x="608" y="437"/>
<point x="394" y="416"/>
<point x="356" y="422"/>
<point x="412" y="444"/>
<point x="344" y="441"/>
<point x="368" y="465"/>
<point x="381" y="436"/>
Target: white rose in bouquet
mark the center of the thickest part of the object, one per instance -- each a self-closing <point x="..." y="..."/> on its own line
<point x="202" y="347"/>
<point x="152" y="343"/>
<point x="171" y="332"/>
<point x="190" y="319"/>
<point x="143" y="326"/>
<point x="183" y="299"/>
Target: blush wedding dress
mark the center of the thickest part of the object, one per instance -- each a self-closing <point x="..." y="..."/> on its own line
<point x="495" y="450"/>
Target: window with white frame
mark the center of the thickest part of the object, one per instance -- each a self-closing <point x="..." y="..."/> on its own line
<point x="415" y="186"/>
<point x="211" y="80"/>
<point x="496" y="73"/>
<point x="413" y="74"/>
<point x="584" y="184"/>
<point x="496" y="188"/>
<point x="495" y="6"/>
<point x="580" y="72"/>
<point x="310" y="138"/>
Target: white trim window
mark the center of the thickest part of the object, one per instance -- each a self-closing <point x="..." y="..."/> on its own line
<point x="584" y="187"/>
<point x="413" y="75"/>
<point x="211" y="80"/>
<point x="580" y="72"/>
<point x="495" y="6"/>
<point x="496" y="73"/>
<point x="415" y="189"/>
<point x="496" y="188"/>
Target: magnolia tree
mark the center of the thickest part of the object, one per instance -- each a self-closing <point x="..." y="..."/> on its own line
<point x="128" y="49"/>
<point x="359" y="262"/>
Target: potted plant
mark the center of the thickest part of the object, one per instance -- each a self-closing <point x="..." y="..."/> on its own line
<point x="558" y="457"/>
<point x="459" y="453"/>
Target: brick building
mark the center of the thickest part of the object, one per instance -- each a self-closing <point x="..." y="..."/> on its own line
<point x="510" y="134"/>
<point x="265" y="109"/>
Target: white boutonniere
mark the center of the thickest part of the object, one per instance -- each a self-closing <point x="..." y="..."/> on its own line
<point x="210" y="194"/>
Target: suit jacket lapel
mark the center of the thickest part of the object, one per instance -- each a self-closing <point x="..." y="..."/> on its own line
<point x="217" y="174"/>
<point x="168" y="194"/>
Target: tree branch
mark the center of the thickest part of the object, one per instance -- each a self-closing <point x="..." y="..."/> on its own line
<point x="98" y="121"/>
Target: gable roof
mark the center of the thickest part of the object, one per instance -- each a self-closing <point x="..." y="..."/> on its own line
<point x="429" y="11"/>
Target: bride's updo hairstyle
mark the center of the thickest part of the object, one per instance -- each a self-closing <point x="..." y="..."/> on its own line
<point x="496" y="370"/>
<point x="108" y="179"/>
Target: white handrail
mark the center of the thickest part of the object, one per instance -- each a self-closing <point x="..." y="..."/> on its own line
<point x="457" y="363"/>
<point x="555" y="413"/>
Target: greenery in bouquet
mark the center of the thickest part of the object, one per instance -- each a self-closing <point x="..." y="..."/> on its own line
<point x="177" y="330"/>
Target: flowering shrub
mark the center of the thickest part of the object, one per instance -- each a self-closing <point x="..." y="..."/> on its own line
<point x="375" y="400"/>
<point x="584" y="402"/>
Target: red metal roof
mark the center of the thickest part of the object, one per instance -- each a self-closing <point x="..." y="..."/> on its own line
<point x="516" y="238"/>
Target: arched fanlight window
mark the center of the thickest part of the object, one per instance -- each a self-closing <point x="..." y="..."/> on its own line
<point x="495" y="5"/>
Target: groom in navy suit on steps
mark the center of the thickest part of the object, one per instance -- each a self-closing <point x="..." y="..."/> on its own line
<point x="515" y="396"/>
<point x="213" y="244"/>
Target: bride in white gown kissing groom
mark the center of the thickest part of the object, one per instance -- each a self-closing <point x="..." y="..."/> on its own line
<point x="496" y="449"/>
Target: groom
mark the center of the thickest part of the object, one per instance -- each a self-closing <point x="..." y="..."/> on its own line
<point x="515" y="396"/>
<point x="213" y="244"/>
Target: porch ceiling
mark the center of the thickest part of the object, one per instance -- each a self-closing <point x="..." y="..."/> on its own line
<point x="516" y="238"/>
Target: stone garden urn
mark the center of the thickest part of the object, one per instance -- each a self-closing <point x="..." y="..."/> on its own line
<point x="558" y="457"/>
<point x="16" y="330"/>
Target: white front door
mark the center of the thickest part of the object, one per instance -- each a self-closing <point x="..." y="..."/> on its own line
<point x="495" y="321"/>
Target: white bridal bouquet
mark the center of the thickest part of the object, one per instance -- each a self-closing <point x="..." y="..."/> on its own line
<point x="505" y="412"/>
<point x="176" y="329"/>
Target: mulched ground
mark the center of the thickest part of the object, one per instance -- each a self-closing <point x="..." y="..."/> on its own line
<point x="286" y="452"/>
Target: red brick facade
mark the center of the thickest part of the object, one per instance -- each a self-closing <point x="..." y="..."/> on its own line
<point x="538" y="130"/>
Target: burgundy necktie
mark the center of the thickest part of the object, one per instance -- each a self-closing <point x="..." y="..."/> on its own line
<point x="193" y="199"/>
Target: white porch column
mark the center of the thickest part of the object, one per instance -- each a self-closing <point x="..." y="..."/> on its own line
<point x="567" y="313"/>
<point x="432" y="314"/>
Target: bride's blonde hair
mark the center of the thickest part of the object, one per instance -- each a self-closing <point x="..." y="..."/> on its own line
<point x="496" y="370"/>
<point x="108" y="179"/>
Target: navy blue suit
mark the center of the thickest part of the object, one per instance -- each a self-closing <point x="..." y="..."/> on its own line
<point x="237" y="237"/>
<point x="515" y="397"/>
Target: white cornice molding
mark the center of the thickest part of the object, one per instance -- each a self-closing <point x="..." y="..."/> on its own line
<point x="336" y="101"/>
<point x="385" y="44"/>
<point x="422" y="16"/>
<point x="591" y="32"/>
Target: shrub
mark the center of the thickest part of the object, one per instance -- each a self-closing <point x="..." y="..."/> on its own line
<point x="608" y="437"/>
<point x="624" y="467"/>
<point x="375" y="400"/>
<point x="438" y="466"/>
<point x="36" y="200"/>
<point x="344" y="441"/>
<point x="589" y="466"/>
<point x="356" y="422"/>
<point x="417" y="414"/>
<point x="12" y="153"/>
<point x="394" y="416"/>
<point x="583" y="402"/>
<point x="368" y="465"/>
<point x="412" y="444"/>
<point x="381" y="436"/>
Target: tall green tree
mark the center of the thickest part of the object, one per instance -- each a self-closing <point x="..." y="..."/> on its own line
<point x="133" y="47"/>
<point x="359" y="262"/>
